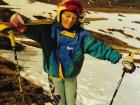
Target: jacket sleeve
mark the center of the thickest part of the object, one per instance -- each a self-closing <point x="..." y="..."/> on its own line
<point x="100" y="50"/>
<point x="37" y="32"/>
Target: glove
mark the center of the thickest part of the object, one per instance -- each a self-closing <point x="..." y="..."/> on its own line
<point x="128" y="63"/>
<point x="17" y="21"/>
<point x="128" y="59"/>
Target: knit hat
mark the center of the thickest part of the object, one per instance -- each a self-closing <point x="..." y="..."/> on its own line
<point x="69" y="5"/>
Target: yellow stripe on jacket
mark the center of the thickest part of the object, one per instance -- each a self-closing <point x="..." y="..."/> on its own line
<point x="68" y="34"/>
<point x="61" y="77"/>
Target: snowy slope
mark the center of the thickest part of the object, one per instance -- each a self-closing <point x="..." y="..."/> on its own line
<point x="98" y="79"/>
<point x="126" y="24"/>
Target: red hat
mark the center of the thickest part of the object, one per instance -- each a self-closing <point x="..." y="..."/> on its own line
<point x="69" y="5"/>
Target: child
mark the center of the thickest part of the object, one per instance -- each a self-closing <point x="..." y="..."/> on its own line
<point x="64" y="44"/>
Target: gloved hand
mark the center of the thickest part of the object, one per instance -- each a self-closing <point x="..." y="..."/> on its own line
<point x="128" y="63"/>
<point x="17" y="21"/>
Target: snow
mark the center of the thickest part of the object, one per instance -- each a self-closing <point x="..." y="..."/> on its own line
<point x="101" y="81"/>
<point x="98" y="79"/>
<point x="30" y="9"/>
<point x="126" y="24"/>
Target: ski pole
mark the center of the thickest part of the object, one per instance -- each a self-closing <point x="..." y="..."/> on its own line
<point x="133" y="67"/>
<point x="118" y="86"/>
<point x="13" y="44"/>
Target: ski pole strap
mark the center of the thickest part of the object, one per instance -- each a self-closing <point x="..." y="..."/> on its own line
<point x="12" y="38"/>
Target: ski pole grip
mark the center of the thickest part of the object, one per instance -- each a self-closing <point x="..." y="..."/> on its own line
<point x="128" y="65"/>
<point x="131" y="54"/>
<point x="12" y="38"/>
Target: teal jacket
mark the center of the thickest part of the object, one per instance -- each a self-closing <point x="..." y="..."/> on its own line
<point x="69" y="50"/>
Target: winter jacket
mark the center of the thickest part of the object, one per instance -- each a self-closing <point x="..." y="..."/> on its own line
<point x="69" y="50"/>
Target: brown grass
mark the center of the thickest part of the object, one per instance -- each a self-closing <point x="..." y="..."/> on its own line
<point x="111" y="40"/>
<point x="138" y="38"/>
<point x="103" y="6"/>
<point x="5" y="43"/>
<point x="120" y="31"/>
<point x="9" y="87"/>
<point x="138" y="22"/>
<point x="114" y="10"/>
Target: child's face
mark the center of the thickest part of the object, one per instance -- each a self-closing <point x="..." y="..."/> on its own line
<point x="68" y="19"/>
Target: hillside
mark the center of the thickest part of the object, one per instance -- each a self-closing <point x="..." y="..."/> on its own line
<point x="102" y="3"/>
